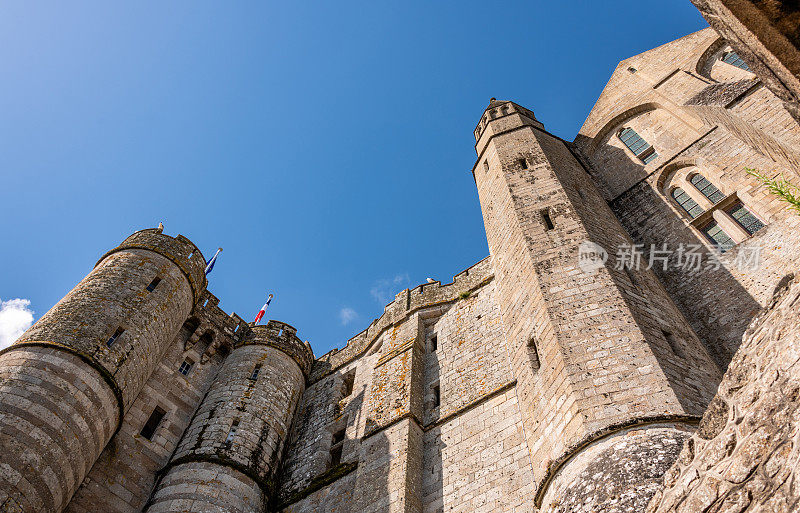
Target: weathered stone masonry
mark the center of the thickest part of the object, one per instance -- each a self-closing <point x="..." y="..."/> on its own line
<point x="529" y="383"/>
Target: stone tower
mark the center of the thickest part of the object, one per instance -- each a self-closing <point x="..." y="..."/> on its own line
<point x="66" y="384"/>
<point x="600" y="355"/>
<point x="228" y="455"/>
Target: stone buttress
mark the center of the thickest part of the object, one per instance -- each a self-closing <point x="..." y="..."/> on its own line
<point x="227" y="457"/>
<point x="67" y="382"/>
<point x="611" y="378"/>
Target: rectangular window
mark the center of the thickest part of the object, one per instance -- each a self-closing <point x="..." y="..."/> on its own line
<point x="637" y="145"/>
<point x="533" y="354"/>
<point x="437" y="397"/>
<point x="523" y="163"/>
<point x="745" y="218"/>
<point x="718" y="237"/>
<point x="547" y="220"/>
<point x="114" y="337"/>
<point x="256" y="370"/>
<point x="153" y="284"/>
<point x="336" y="456"/>
<point x="348" y="382"/>
<point x="186" y="366"/>
<point x="232" y="431"/>
<point x="152" y="423"/>
<point x="434" y="344"/>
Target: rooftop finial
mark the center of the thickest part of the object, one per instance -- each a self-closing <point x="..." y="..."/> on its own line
<point x="492" y="100"/>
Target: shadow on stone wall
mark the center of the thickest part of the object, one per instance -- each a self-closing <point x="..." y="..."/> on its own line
<point x="716" y="304"/>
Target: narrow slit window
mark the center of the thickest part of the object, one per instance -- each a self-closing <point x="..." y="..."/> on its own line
<point x="434" y="344"/>
<point x="547" y="220"/>
<point x="533" y="354"/>
<point x="673" y="343"/>
<point x="348" y="382"/>
<point x="745" y="218"/>
<point x="153" y="284"/>
<point x="437" y="396"/>
<point x="336" y="456"/>
<point x="523" y="163"/>
<point x="486" y="165"/>
<point x="707" y="188"/>
<point x="338" y="437"/>
<point x="631" y="276"/>
<point x="733" y="59"/>
<point x="114" y="337"/>
<point x="637" y="145"/>
<point x="718" y="237"/>
<point x="186" y="366"/>
<point x="149" y="428"/>
<point x="232" y="431"/>
<point x="686" y="202"/>
<point x="256" y="370"/>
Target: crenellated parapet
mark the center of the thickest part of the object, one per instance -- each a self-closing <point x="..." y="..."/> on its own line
<point x="283" y="337"/>
<point x="405" y="303"/>
<point x="179" y="250"/>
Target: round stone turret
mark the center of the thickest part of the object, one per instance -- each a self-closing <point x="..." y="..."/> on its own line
<point x="66" y="383"/>
<point x="238" y="432"/>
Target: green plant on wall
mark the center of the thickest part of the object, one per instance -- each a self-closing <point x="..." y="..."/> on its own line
<point x="780" y="187"/>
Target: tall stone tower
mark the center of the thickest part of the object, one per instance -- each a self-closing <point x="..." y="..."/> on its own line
<point x="66" y="384"/>
<point x="610" y="377"/>
<point x="227" y="457"/>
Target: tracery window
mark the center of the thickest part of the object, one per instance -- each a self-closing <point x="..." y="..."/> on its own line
<point x="733" y="59"/>
<point x="686" y="202"/>
<point x="637" y="145"/>
<point x="745" y="218"/>
<point x="718" y="236"/>
<point x="707" y="188"/>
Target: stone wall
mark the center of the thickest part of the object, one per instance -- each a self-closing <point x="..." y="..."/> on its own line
<point x="745" y="455"/>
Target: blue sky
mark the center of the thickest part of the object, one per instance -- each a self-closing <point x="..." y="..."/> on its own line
<point x="327" y="146"/>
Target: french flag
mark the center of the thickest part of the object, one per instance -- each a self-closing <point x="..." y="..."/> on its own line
<point x="263" y="310"/>
<point x="210" y="263"/>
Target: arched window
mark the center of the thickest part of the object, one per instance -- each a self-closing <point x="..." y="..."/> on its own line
<point x="707" y="188"/>
<point x="745" y="218"/>
<point x="733" y="59"/>
<point x="686" y="202"/>
<point x="637" y="145"/>
<point x="716" y="235"/>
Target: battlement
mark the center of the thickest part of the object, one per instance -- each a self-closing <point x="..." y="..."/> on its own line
<point x="281" y="336"/>
<point x="498" y="109"/>
<point x="405" y="303"/>
<point x="180" y="250"/>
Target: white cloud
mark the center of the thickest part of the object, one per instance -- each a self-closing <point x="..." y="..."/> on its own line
<point x="347" y="315"/>
<point x="385" y="289"/>
<point x="15" y="318"/>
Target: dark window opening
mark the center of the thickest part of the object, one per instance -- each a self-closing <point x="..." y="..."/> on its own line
<point x="522" y="163"/>
<point x="733" y="59"/>
<point x="152" y="423"/>
<point x="338" y="437"/>
<point x="631" y="277"/>
<point x="485" y="165"/>
<point x="434" y="343"/>
<point x="718" y="237"/>
<point x="637" y="145"/>
<point x="547" y="220"/>
<point x="336" y="456"/>
<point x="533" y="354"/>
<point x="186" y="366"/>
<point x="232" y="432"/>
<point x="437" y="397"/>
<point x="114" y="337"/>
<point x="153" y="284"/>
<point x="348" y="382"/>
<point x="674" y="345"/>
<point x="256" y="370"/>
